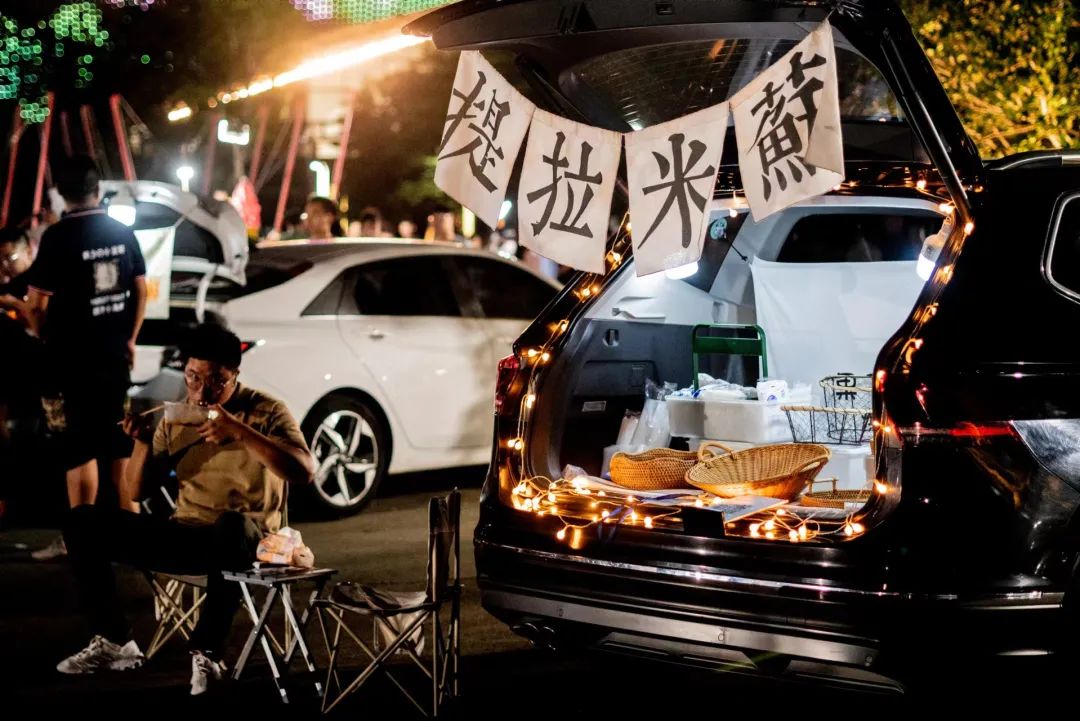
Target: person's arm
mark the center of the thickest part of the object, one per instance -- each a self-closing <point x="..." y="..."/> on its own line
<point x="287" y="460"/>
<point x="139" y="291"/>
<point x="36" y="310"/>
<point x="130" y="490"/>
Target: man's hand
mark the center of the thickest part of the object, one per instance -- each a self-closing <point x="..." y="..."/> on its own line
<point x="223" y="427"/>
<point x="131" y="353"/>
<point x="139" y="428"/>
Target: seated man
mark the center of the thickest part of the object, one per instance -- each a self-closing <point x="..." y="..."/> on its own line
<point x="231" y="471"/>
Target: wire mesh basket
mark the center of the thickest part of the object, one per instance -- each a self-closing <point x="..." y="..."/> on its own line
<point x="847" y="390"/>
<point x="816" y="424"/>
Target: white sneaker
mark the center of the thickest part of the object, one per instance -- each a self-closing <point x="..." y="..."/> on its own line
<point x="204" y="671"/>
<point x="103" y="654"/>
<point x="56" y="549"/>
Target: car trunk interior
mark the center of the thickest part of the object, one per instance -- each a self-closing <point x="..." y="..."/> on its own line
<point x="828" y="283"/>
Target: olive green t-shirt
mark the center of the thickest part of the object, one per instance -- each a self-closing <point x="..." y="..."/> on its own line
<point x="214" y="478"/>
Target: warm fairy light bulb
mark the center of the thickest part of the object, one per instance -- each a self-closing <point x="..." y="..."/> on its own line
<point x="545" y="357"/>
<point x="770" y="524"/>
<point x="781" y="512"/>
<point x="770" y="535"/>
<point x="605" y="514"/>
<point x="578" y="482"/>
<point x="803" y="532"/>
<point x="732" y="213"/>
<point x="629" y="499"/>
<point x="754" y="527"/>
<point x="849" y="530"/>
<point x="530" y="400"/>
<point x="633" y="516"/>
<point x="699" y="503"/>
<point x="648" y="522"/>
<point x="594" y="504"/>
<point x="968" y="228"/>
<point x="946" y="208"/>
<point x="532" y="352"/>
<point x="601" y="494"/>
<point x="858" y="527"/>
<point x="564" y="325"/>
<point x="881" y="487"/>
<point x="921" y="184"/>
<point x="551" y="497"/>
<point x="793" y="536"/>
<point x="561" y="535"/>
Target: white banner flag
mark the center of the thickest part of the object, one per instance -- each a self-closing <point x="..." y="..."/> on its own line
<point x="157" y="249"/>
<point x="564" y="198"/>
<point x="787" y="124"/>
<point x="671" y="169"/>
<point x="484" y="128"/>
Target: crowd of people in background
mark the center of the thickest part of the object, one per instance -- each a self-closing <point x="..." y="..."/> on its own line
<point x="321" y="221"/>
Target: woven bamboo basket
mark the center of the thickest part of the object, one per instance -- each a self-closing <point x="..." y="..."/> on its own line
<point x="778" y="471"/>
<point x="832" y="498"/>
<point x="654" y="470"/>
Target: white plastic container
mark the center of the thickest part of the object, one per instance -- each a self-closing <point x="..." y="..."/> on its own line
<point x="686" y="416"/>
<point x="746" y="421"/>
<point x="849" y="465"/>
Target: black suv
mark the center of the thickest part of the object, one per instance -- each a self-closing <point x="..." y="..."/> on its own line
<point x="970" y="539"/>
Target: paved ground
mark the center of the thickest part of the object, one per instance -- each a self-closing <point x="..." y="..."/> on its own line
<point x="384" y="546"/>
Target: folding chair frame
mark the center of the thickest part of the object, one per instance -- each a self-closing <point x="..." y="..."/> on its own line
<point x="177" y="604"/>
<point x="445" y="647"/>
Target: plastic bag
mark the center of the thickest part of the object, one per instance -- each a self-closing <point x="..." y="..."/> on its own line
<point x="285" y="546"/>
<point x="654" y="428"/>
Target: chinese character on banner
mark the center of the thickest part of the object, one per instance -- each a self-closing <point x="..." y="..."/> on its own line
<point x="787" y="124"/>
<point x="564" y="197"/>
<point x="671" y="170"/>
<point x="484" y="128"/>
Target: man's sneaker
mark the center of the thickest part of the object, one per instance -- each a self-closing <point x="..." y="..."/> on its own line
<point x="56" y="549"/>
<point x="204" y="671"/>
<point x="103" y="654"/>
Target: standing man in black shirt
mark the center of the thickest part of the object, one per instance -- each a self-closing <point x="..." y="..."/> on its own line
<point x="87" y="291"/>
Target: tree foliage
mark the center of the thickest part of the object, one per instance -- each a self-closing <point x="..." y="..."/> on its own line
<point x="1011" y="68"/>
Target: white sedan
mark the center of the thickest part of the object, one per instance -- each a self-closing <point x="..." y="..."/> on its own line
<point x="386" y="350"/>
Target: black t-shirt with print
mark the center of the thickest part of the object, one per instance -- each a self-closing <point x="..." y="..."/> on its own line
<point x="87" y="263"/>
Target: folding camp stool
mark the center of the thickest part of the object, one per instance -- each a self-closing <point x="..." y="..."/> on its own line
<point x="400" y="617"/>
<point x="278" y="584"/>
<point x="732" y="344"/>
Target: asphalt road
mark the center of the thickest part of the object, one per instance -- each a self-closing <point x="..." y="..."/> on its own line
<point x="502" y="676"/>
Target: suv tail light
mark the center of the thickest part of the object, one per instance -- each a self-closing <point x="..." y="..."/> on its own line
<point x="508" y="370"/>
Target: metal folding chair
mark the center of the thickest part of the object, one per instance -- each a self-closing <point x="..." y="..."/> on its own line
<point x="400" y="618"/>
<point x="178" y="598"/>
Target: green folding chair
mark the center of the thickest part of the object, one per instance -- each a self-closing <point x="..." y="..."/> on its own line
<point x="732" y="344"/>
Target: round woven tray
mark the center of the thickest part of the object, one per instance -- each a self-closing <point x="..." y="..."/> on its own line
<point x="833" y="499"/>
<point x="654" y="470"/>
<point x="779" y="471"/>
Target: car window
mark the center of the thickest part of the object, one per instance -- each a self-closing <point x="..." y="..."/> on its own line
<point x="1063" y="264"/>
<point x="857" y="237"/>
<point x="417" y="286"/>
<point x="503" y="291"/>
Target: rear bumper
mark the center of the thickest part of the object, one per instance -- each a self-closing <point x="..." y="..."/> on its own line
<point x="704" y="616"/>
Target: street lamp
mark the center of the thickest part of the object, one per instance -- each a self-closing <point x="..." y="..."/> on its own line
<point x="185" y="173"/>
<point x="322" y="177"/>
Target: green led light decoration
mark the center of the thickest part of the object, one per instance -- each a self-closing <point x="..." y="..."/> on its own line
<point x="31" y="57"/>
<point x="362" y="11"/>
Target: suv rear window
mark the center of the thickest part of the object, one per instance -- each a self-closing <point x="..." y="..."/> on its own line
<point x="857" y="237"/>
<point x="648" y="85"/>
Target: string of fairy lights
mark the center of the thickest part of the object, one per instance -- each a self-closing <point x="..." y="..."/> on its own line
<point x="362" y="11"/>
<point x="28" y="54"/>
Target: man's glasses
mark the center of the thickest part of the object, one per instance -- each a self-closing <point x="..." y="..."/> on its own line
<point x="217" y="382"/>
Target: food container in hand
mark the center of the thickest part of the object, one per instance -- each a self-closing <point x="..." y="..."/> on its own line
<point x="187" y="414"/>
